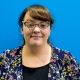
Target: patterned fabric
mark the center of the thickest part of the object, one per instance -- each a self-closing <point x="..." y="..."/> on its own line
<point x="63" y="65"/>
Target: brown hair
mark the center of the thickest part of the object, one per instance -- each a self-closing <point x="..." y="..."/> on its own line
<point x="37" y="12"/>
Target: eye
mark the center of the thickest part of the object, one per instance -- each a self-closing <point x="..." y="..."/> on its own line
<point x="43" y="25"/>
<point x="30" y="25"/>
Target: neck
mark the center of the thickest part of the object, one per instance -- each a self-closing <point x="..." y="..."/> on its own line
<point x="36" y="56"/>
<point x="37" y="50"/>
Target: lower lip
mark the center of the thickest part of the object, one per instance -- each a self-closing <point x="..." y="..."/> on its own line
<point x="36" y="37"/>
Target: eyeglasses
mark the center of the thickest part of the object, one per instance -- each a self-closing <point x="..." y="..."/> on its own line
<point x="32" y="25"/>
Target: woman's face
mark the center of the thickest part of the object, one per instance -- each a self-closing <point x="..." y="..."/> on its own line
<point x="35" y="36"/>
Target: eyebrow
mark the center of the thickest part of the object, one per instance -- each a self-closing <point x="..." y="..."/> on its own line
<point x="34" y="21"/>
<point x="30" y="20"/>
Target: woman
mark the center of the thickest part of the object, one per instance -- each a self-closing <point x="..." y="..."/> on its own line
<point x="37" y="59"/>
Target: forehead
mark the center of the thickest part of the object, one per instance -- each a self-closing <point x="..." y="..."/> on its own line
<point x="27" y="16"/>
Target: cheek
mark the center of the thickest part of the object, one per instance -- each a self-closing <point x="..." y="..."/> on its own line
<point x="26" y="31"/>
<point x="47" y="32"/>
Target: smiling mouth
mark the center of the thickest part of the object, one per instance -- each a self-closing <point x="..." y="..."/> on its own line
<point x="35" y="36"/>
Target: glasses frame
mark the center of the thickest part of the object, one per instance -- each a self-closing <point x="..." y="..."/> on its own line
<point x="23" y="22"/>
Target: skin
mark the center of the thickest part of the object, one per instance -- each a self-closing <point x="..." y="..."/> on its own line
<point x="35" y="37"/>
<point x="36" y="48"/>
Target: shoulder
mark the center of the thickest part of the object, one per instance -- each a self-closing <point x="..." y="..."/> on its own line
<point x="10" y="53"/>
<point x="64" y="55"/>
<point x="61" y="52"/>
<point x="67" y="62"/>
<point x="7" y="57"/>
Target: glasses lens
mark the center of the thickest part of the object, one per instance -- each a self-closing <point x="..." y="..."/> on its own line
<point x="29" y="25"/>
<point x="43" y="25"/>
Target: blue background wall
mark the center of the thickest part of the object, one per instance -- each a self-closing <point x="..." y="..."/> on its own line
<point x="65" y="32"/>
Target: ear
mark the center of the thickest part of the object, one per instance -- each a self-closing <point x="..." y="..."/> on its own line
<point x="50" y="32"/>
<point x="21" y="30"/>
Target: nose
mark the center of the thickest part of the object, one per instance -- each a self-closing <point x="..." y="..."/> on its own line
<point x="36" y="29"/>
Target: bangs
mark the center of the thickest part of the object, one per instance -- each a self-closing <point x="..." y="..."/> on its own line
<point x="40" y="14"/>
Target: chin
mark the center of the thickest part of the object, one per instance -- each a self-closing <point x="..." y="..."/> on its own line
<point x="34" y="44"/>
